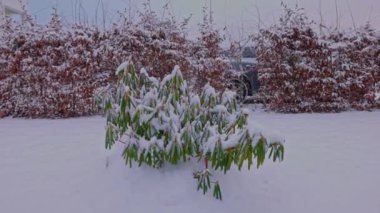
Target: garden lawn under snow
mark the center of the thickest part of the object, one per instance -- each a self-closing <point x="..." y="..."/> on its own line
<point x="332" y="164"/>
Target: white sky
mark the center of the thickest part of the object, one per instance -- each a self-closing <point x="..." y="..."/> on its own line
<point x="240" y="16"/>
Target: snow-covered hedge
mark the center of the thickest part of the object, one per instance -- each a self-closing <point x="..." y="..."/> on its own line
<point x="164" y="122"/>
<point x="355" y="59"/>
<point x="52" y="71"/>
<point x="301" y="71"/>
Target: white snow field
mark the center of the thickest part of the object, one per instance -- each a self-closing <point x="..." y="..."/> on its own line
<point x="332" y="164"/>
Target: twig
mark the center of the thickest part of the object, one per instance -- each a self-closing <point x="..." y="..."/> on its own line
<point x="352" y="16"/>
<point x="337" y="14"/>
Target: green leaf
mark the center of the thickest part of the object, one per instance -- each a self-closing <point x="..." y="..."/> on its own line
<point x="110" y="137"/>
<point x="217" y="192"/>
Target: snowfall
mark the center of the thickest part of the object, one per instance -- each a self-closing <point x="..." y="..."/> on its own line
<point x="332" y="164"/>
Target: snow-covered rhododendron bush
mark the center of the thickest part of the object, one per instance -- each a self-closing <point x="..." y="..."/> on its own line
<point x="162" y="122"/>
<point x="53" y="70"/>
<point x="303" y="71"/>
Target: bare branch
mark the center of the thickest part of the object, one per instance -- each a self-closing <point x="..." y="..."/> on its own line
<point x="337" y="14"/>
<point x="352" y="16"/>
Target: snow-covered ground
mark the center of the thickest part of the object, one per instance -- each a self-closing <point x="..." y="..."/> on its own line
<point x="332" y="164"/>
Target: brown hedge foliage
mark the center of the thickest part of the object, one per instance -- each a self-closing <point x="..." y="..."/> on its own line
<point x="303" y="72"/>
<point x="53" y="71"/>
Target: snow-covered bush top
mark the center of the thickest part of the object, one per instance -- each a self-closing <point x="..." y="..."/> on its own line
<point x="161" y="121"/>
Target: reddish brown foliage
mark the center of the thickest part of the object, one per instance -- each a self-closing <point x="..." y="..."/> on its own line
<point x="53" y="71"/>
<point x="302" y="72"/>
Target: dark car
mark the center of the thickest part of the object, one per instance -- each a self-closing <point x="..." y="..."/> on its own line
<point x="245" y="79"/>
